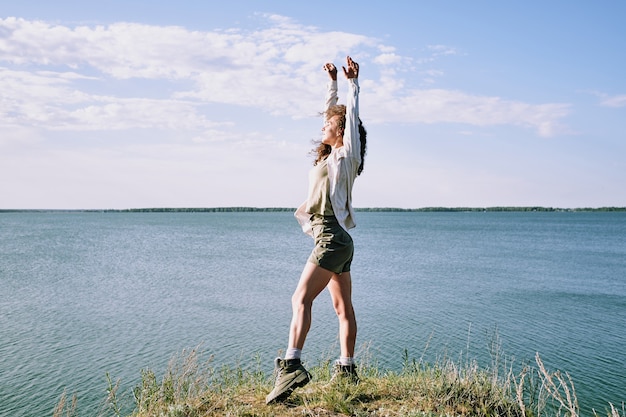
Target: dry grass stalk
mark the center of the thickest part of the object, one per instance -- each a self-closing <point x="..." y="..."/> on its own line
<point x="190" y="388"/>
<point x="63" y="409"/>
<point x="562" y="386"/>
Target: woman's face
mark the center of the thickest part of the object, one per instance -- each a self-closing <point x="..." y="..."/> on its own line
<point x="332" y="132"/>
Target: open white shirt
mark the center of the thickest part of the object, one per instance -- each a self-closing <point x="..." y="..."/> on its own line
<point x="343" y="162"/>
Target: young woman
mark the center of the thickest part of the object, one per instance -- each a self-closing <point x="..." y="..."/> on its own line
<point x="327" y="215"/>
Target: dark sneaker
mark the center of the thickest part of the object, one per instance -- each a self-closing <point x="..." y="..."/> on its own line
<point x="344" y="372"/>
<point x="290" y="374"/>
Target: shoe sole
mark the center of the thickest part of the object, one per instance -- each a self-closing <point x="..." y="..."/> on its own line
<point x="300" y="381"/>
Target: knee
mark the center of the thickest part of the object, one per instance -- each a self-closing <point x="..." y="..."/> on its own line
<point x="344" y="312"/>
<point x="299" y="301"/>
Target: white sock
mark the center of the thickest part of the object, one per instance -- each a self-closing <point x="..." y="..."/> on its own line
<point x="346" y="360"/>
<point x="293" y="353"/>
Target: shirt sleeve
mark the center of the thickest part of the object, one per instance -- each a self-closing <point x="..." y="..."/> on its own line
<point x="351" y="140"/>
<point x="331" y="94"/>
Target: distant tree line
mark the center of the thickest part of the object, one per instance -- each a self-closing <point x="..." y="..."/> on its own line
<point x="205" y="210"/>
<point x="291" y="209"/>
<point x="482" y="209"/>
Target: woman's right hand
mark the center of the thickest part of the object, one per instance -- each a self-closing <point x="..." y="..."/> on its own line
<point x="330" y="68"/>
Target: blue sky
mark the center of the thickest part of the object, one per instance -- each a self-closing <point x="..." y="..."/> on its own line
<point x="127" y="104"/>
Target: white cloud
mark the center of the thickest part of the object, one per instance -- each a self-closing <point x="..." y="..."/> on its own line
<point x="47" y="100"/>
<point x="117" y="114"/>
<point x="446" y="106"/>
<point x="387" y="59"/>
<point x="607" y="100"/>
<point x="54" y="73"/>
<point x="613" y="101"/>
<point x="442" y="50"/>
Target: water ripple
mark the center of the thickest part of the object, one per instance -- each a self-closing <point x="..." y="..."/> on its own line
<point x="85" y="294"/>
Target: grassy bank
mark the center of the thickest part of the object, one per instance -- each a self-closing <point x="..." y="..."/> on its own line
<point x="192" y="387"/>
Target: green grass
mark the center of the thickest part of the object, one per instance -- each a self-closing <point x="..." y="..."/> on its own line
<point x="192" y="387"/>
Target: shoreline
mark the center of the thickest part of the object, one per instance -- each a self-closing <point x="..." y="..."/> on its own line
<point x="192" y="386"/>
<point x="245" y="209"/>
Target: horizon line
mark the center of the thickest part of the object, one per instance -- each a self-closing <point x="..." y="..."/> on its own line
<point x="358" y="209"/>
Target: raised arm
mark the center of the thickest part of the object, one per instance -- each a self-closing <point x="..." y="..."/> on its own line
<point x="331" y="92"/>
<point x="351" y="139"/>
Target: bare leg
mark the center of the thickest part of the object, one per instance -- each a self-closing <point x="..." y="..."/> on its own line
<point x="340" y="287"/>
<point x="313" y="280"/>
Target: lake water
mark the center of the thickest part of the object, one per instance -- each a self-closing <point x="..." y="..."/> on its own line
<point x="83" y="294"/>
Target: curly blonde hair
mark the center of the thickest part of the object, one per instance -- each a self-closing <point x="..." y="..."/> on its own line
<point x="337" y="110"/>
<point x="323" y="150"/>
